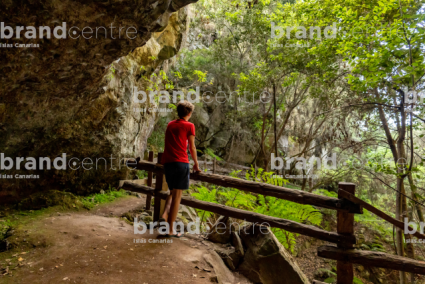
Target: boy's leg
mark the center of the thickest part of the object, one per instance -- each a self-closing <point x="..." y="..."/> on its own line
<point x="174" y="209"/>
<point x="167" y="207"/>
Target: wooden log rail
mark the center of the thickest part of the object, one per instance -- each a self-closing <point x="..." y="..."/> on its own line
<point x="372" y="258"/>
<point x="377" y="212"/>
<point x="293" y="195"/>
<point x="287" y="225"/>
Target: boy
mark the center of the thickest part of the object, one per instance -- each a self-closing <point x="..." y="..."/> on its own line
<point x="178" y="135"/>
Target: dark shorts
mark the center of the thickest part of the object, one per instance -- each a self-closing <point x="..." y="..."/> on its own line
<point x="177" y="175"/>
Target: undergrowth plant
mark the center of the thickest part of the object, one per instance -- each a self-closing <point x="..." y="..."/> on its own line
<point x="266" y="205"/>
<point x="98" y="198"/>
<point x="142" y="174"/>
<point x="367" y="219"/>
<point x="305" y="214"/>
<point x="204" y="194"/>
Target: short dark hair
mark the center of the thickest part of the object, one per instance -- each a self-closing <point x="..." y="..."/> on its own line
<point x="184" y="108"/>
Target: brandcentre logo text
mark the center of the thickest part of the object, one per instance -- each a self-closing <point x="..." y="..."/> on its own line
<point x="61" y="32"/>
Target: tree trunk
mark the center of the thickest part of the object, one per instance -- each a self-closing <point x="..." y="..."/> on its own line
<point x="401" y="206"/>
<point x="410" y="250"/>
<point x="275" y="122"/>
<point x="413" y="190"/>
<point x="304" y="180"/>
<point x="399" y="232"/>
<point x="396" y="155"/>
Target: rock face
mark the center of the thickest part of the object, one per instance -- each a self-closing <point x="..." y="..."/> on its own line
<point x="75" y="95"/>
<point x="230" y="257"/>
<point x="266" y="260"/>
<point x="220" y="231"/>
<point x="224" y="275"/>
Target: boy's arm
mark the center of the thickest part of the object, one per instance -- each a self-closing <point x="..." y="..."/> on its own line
<point x="192" y="149"/>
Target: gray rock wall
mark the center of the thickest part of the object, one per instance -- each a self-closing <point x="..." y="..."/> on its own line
<point x="74" y="96"/>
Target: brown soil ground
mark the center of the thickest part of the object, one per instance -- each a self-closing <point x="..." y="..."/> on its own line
<point x="97" y="247"/>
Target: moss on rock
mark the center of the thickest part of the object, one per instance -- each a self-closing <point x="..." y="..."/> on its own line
<point x="50" y="198"/>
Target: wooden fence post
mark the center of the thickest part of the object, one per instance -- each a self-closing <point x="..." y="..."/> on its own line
<point x="150" y="176"/>
<point x="214" y="165"/>
<point x="345" y="226"/>
<point x="158" y="187"/>
<point x="163" y="189"/>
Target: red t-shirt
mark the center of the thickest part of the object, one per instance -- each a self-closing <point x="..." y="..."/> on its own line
<point x="176" y="141"/>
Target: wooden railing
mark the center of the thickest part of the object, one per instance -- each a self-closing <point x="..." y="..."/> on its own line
<point x="347" y="204"/>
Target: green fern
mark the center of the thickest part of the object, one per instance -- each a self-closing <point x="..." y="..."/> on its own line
<point x="266" y="177"/>
<point x="238" y="199"/>
<point x="270" y="206"/>
<point x="210" y="152"/>
<point x="275" y="207"/>
<point x="285" y="209"/>
<point x="205" y="194"/>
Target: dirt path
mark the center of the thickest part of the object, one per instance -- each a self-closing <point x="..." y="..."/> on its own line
<point x="97" y="247"/>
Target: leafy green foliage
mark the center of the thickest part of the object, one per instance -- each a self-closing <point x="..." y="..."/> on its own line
<point x="202" y="77"/>
<point x="156" y="141"/>
<point x="204" y="194"/>
<point x="284" y="209"/>
<point x="95" y="199"/>
<point x="357" y="281"/>
<point x="238" y="199"/>
<point x="142" y="174"/>
<point x="266" y="177"/>
<point x="210" y="152"/>
<point x="372" y="221"/>
<point x="325" y="192"/>
<point x="270" y="206"/>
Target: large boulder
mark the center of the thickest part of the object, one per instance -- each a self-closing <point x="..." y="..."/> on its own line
<point x="266" y="260"/>
<point x="224" y="275"/>
<point x="230" y="256"/>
